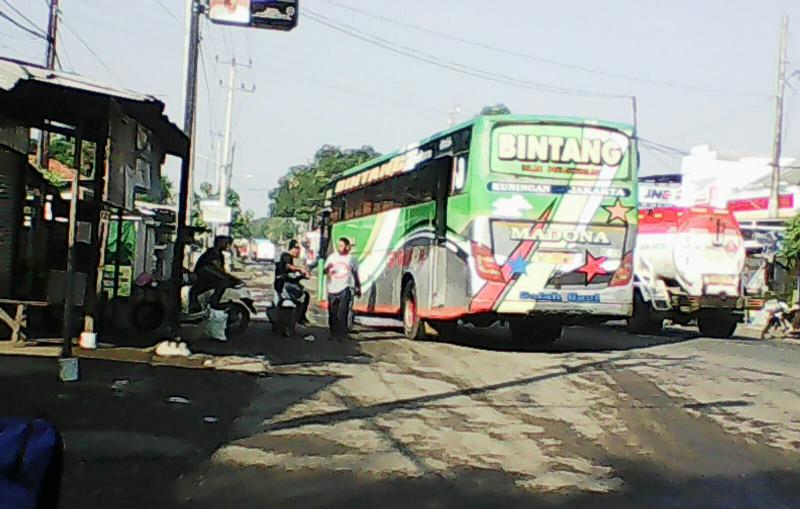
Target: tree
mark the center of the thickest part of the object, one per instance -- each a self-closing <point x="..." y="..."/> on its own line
<point x="278" y="229"/>
<point x="165" y="196"/>
<point x="62" y="149"/>
<point x="497" y="109"/>
<point x="300" y="193"/>
<point x="790" y="250"/>
<point x="241" y="221"/>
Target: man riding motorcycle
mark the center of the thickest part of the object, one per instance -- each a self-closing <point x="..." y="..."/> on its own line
<point x="211" y="274"/>
<point x="286" y="271"/>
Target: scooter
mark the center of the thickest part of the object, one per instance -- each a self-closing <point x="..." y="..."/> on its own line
<point x="780" y="322"/>
<point x="284" y="313"/>
<point x="237" y="301"/>
<point x="150" y="312"/>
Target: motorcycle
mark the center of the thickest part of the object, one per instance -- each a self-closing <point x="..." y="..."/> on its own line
<point x="284" y="313"/>
<point x="150" y="312"/>
<point x="780" y="322"/>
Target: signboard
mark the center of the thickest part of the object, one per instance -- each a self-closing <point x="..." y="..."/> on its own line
<point x="565" y="152"/>
<point x="215" y="213"/>
<point x="267" y="14"/>
<point x="659" y="195"/>
<point x="125" y="280"/>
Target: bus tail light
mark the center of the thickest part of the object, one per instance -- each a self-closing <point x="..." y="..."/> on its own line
<point x="624" y="273"/>
<point x="485" y="264"/>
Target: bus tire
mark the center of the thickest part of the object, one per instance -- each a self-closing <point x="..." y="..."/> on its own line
<point x="536" y="332"/>
<point x="412" y="325"/>
<point x="716" y="323"/>
<point x="643" y="320"/>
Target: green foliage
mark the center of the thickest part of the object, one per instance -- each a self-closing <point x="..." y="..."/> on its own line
<point x="277" y="229"/>
<point x="55" y="180"/>
<point x="496" y="109"/>
<point x="62" y="149"/>
<point x="300" y="193"/>
<point x="241" y="221"/>
<point x="790" y="250"/>
<point x="166" y="195"/>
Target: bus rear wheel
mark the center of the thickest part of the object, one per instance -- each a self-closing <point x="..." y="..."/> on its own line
<point x="643" y="320"/>
<point x="412" y="325"/>
<point x="535" y="332"/>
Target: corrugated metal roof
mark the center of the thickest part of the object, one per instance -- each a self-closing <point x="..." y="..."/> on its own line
<point x="12" y="72"/>
<point x="33" y="95"/>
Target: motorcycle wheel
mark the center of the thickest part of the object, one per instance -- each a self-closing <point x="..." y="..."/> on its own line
<point x="148" y="316"/>
<point x="238" y="319"/>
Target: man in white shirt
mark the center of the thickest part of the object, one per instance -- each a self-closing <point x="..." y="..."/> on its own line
<point x="342" y="282"/>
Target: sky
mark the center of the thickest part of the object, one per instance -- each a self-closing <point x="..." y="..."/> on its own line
<point x="703" y="71"/>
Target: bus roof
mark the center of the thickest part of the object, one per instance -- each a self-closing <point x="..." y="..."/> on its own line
<point x="485" y="119"/>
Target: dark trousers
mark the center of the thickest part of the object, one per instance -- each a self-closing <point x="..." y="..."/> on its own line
<point x="339" y="308"/>
<point x="206" y="282"/>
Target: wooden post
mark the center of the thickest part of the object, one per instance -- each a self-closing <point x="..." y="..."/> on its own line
<point x="69" y="297"/>
<point x="97" y="243"/>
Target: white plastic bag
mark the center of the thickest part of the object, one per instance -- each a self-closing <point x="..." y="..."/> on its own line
<point x="216" y="324"/>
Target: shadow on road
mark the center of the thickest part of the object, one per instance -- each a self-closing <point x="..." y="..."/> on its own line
<point x="646" y="486"/>
<point x="608" y="338"/>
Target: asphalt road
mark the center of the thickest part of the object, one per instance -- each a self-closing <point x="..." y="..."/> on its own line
<point x="603" y="419"/>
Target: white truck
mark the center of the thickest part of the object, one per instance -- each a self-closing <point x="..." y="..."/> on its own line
<point x="263" y="250"/>
<point x="688" y="266"/>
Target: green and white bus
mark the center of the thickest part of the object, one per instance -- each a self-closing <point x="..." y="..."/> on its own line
<point x="525" y="219"/>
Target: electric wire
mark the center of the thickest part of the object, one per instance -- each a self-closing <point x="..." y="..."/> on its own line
<point x="452" y="65"/>
<point x="530" y="57"/>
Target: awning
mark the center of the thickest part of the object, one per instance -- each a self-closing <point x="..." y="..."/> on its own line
<point x="33" y="94"/>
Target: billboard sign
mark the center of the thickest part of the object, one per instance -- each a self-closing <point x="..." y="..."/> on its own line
<point x="214" y="212"/>
<point x="266" y="14"/>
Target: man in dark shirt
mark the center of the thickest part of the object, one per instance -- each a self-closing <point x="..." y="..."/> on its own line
<point x="284" y="268"/>
<point x="210" y="272"/>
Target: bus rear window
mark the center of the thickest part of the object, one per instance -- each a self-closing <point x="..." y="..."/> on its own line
<point x="567" y="152"/>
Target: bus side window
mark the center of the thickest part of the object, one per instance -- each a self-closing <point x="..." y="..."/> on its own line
<point x="459" y="180"/>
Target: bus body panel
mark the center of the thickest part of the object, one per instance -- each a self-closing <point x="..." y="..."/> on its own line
<point x="521" y="239"/>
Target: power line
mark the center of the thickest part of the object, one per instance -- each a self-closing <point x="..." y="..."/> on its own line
<point x="169" y="12"/>
<point x="451" y="65"/>
<point x="730" y="116"/>
<point x="21" y="26"/>
<point x="662" y="147"/>
<point x="539" y="59"/>
<point x="91" y="51"/>
<point x="22" y="15"/>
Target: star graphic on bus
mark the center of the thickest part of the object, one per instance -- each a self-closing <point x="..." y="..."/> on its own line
<point x="518" y="266"/>
<point x="593" y="267"/>
<point x="617" y="212"/>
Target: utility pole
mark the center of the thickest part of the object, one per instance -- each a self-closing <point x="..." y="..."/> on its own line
<point x="225" y="172"/>
<point x="50" y="62"/>
<point x="774" y="197"/>
<point x="194" y="9"/>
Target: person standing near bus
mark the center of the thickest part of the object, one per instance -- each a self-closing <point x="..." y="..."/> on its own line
<point x="342" y="283"/>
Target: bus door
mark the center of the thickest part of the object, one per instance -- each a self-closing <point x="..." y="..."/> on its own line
<point x="442" y="169"/>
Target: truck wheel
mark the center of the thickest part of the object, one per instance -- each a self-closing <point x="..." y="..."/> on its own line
<point x="536" y="332"/>
<point x="717" y="324"/>
<point x="412" y="326"/>
<point x="643" y="320"/>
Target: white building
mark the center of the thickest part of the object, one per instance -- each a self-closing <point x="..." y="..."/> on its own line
<point x="740" y="182"/>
